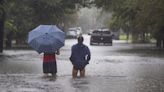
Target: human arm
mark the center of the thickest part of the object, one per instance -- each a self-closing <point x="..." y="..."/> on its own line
<point x="71" y="57"/>
<point x="88" y="55"/>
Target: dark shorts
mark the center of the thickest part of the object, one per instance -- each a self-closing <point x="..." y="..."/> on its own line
<point x="79" y="68"/>
<point x="49" y="67"/>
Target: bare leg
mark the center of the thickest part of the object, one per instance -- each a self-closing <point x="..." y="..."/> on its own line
<point x="82" y="73"/>
<point x="53" y="74"/>
<point x="45" y="75"/>
<point x="74" y="73"/>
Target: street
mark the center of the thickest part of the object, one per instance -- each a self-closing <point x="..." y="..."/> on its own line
<point x="122" y="67"/>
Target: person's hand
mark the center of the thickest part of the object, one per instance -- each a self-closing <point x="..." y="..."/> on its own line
<point x="58" y="52"/>
<point x="87" y="62"/>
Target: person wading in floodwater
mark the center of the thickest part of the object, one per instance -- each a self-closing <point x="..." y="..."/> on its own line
<point x="80" y="56"/>
<point x="49" y="64"/>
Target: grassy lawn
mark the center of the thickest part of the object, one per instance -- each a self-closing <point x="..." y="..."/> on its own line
<point x="123" y="37"/>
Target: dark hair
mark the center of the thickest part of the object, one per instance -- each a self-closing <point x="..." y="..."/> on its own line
<point x="80" y="39"/>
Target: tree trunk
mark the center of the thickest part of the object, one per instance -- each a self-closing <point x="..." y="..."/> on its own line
<point x="127" y="35"/>
<point x="2" y="19"/>
<point x="143" y="40"/>
<point x="9" y="40"/>
<point x="134" y="37"/>
<point x="163" y="43"/>
<point x="1" y="36"/>
<point x="158" y="43"/>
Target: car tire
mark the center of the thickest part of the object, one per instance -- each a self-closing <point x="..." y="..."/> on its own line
<point x="91" y="43"/>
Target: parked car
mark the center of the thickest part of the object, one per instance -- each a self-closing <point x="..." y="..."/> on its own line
<point x="101" y="37"/>
<point x="73" y="32"/>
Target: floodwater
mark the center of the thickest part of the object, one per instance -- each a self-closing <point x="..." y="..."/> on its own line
<point x="119" y="68"/>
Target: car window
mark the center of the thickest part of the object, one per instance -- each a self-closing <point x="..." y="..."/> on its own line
<point x="106" y="32"/>
<point x="96" y="31"/>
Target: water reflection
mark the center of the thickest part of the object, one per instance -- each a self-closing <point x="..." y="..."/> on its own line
<point x="118" y="68"/>
<point x="13" y="62"/>
<point x="81" y="84"/>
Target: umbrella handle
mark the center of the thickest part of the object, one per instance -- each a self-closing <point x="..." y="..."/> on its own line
<point x="57" y="52"/>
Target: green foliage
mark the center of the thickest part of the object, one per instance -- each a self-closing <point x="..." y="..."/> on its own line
<point x="135" y="16"/>
<point x="24" y="15"/>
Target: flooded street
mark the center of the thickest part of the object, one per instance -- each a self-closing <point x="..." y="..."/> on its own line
<point x="119" y="68"/>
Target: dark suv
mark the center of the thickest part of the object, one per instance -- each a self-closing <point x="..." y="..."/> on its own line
<point x="101" y="37"/>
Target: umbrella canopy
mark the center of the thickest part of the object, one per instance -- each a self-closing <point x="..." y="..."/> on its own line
<point x="46" y="38"/>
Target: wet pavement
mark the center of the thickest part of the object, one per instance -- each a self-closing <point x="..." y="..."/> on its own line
<point x="119" y="68"/>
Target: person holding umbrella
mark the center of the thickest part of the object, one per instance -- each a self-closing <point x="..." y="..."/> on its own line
<point x="49" y="63"/>
<point x="80" y="56"/>
<point x="47" y="39"/>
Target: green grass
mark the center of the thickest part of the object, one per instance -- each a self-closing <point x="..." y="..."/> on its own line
<point x="123" y="37"/>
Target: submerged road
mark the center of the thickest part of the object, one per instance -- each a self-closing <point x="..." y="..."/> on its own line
<point x="119" y="68"/>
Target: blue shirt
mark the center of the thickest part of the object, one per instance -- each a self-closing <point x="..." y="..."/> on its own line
<point x="80" y="55"/>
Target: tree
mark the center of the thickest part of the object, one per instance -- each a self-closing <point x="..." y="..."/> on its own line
<point x="140" y="17"/>
<point x="24" y="15"/>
